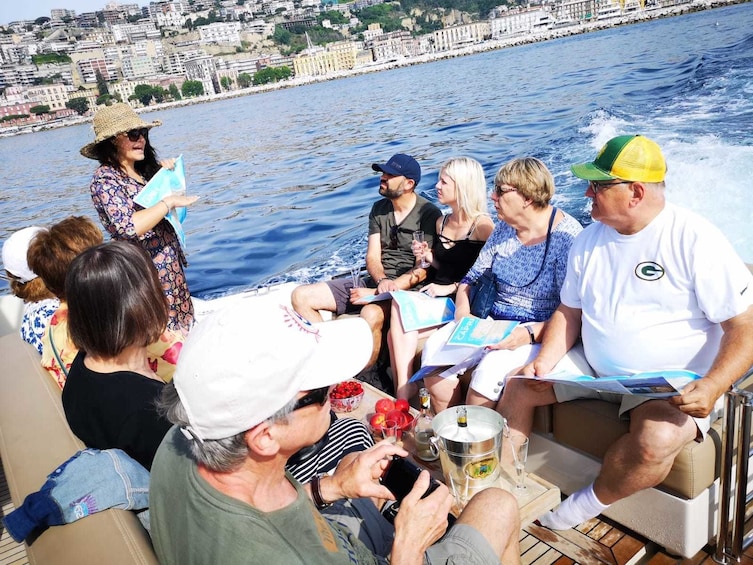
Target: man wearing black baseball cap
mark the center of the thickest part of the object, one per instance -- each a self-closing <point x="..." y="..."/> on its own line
<point x="389" y="259"/>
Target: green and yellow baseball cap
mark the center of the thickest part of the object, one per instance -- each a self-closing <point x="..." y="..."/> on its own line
<point x="627" y="157"/>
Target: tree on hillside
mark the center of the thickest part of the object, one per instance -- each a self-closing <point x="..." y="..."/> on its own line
<point x="101" y="83"/>
<point x="105" y="99"/>
<point x="333" y="16"/>
<point x="226" y="83"/>
<point x="174" y="92"/>
<point x="388" y="16"/>
<point x="79" y="105"/>
<point x="245" y="80"/>
<point x="272" y="74"/>
<point x="143" y="93"/>
<point x="192" y="88"/>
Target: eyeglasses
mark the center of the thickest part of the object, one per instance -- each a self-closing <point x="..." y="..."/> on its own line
<point x="316" y="396"/>
<point x="598" y="186"/>
<point x="135" y="134"/>
<point x="499" y="189"/>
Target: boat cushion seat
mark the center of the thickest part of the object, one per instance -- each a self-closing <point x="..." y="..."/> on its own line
<point x="591" y="426"/>
<point x="34" y="440"/>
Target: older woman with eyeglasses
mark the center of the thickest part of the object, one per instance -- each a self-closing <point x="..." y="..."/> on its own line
<point x="527" y="256"/>
<point x="127" y="162"/>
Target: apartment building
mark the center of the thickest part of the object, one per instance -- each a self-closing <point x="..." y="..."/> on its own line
<point x="220" y="32"/>
<point x="460" y="36"/>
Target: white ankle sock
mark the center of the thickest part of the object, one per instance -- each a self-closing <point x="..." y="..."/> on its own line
<point x="578" y="507"/>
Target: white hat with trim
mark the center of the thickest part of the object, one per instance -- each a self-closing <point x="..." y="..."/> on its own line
<point x="243" y="363"/>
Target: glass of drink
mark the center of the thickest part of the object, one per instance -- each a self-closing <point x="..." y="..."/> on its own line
<point x="391" y="431"/>
<point x="459" y="489"/>
<point x="418" y="237"/>
<point x="519" y="446"/>
<point x="355" y="276"/>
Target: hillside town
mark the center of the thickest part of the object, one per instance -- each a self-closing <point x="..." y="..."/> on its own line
<point x="55" y="68"/>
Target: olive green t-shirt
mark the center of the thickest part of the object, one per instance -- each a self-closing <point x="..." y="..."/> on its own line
<point x="397" y="257"/>
<point x="193" y="523"/>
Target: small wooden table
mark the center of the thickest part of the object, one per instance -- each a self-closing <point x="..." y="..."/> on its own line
<point x="539" y="497"/>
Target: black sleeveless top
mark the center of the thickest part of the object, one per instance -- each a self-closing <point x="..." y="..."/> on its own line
<point x="455" y="261"/>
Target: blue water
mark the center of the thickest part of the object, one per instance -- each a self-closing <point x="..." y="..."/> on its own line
<point x="285" y="178"/>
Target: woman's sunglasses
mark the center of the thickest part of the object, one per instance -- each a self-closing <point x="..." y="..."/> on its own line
<point x="135" y="134"/>
<point x="316" y="396"/>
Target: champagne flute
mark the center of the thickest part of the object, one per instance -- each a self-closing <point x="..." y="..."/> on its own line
<point x="418" y="237"/>
<point x="355" y="276"/>
<point x="519" y="445"/>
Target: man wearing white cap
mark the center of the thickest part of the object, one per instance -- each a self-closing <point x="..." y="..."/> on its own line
<point x="246" y="396"/>
<point x="649" y="286"/>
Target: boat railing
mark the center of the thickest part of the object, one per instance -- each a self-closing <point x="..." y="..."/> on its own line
<point x="734" y="533"/>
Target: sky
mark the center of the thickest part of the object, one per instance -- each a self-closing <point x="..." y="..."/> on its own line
<point x="12" y="10"/>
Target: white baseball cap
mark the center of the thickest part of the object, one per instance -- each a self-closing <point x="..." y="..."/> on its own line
<point x="14" y="253"/>
<point x="243" y="363"/>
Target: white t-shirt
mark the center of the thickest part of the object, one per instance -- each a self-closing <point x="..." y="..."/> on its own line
<point x="654" y="300"/>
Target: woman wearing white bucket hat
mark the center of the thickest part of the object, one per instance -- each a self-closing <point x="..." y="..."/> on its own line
<point x="39" y="303"/>
<point x="127" y="162"/>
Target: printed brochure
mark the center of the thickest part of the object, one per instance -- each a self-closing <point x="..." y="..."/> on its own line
<point x="162" y="184"/>
<point x="479" y="333"/>
<point x="418" y="310"/>
<point x="654" y="384"/>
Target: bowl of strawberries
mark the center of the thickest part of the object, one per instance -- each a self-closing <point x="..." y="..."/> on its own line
<point x="346" y="396"/>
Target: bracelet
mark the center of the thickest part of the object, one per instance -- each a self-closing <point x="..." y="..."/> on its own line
<point x="166" y="204"/>
<point x="316" y="493"/>
<point x="530" y="333"/>
<point x="382" y="279"/>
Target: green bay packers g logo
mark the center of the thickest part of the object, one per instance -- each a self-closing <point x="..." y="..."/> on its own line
<point x="649" y="271"/>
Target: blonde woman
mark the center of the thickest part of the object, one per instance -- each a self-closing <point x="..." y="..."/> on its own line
<point x="460" y="236"/>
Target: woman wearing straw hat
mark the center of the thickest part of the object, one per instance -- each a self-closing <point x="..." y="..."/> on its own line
<point x="127" y="162"/>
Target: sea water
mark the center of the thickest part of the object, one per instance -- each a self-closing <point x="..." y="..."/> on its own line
<point x="285" y="177"/>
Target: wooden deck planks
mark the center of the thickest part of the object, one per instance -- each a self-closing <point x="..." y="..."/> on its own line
<point x="11" y="553"/>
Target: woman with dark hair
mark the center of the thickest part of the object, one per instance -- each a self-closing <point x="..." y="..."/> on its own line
<point x="127" y="162"/>
<point x="116" y="308"/>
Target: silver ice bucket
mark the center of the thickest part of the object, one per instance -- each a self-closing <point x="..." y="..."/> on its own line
<point x="472" y="464"/>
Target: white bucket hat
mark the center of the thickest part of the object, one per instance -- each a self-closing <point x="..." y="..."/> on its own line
<point x="14" y="253"/>
<point x="241" y="364"/>
<point x="112" y="120"/>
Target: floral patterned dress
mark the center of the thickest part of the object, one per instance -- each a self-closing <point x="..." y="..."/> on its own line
<point x="35" y="320"/>
<point x="112" y="192"/>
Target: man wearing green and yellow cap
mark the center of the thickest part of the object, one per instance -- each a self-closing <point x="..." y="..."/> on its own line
<point x="649" y="286"/>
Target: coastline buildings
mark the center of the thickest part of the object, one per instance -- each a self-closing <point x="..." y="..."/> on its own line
<point x="47" y="62"/>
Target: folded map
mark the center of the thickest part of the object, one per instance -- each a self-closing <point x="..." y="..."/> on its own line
<point x="477" y="332"/>
<point x="655" y="384"/>
<point x="162" y="184"/>
<point x="418" y="310"/>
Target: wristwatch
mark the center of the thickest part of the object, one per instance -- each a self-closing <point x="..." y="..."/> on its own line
<point x="316" y="493"/>
<point x="530" y="333"/>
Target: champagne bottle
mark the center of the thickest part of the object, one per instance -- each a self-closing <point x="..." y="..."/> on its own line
<point x="462" y="433"/>
<point x="423" y="432"/>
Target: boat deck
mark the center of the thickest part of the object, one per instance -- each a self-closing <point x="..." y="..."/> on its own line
<point x="595" y="542"/>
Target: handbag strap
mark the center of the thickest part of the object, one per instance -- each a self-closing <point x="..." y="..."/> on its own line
<point x="546" y="251"/>
<point x="57" y="355"/>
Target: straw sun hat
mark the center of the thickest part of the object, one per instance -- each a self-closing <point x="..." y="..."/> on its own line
<point x="112" y="120"/>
